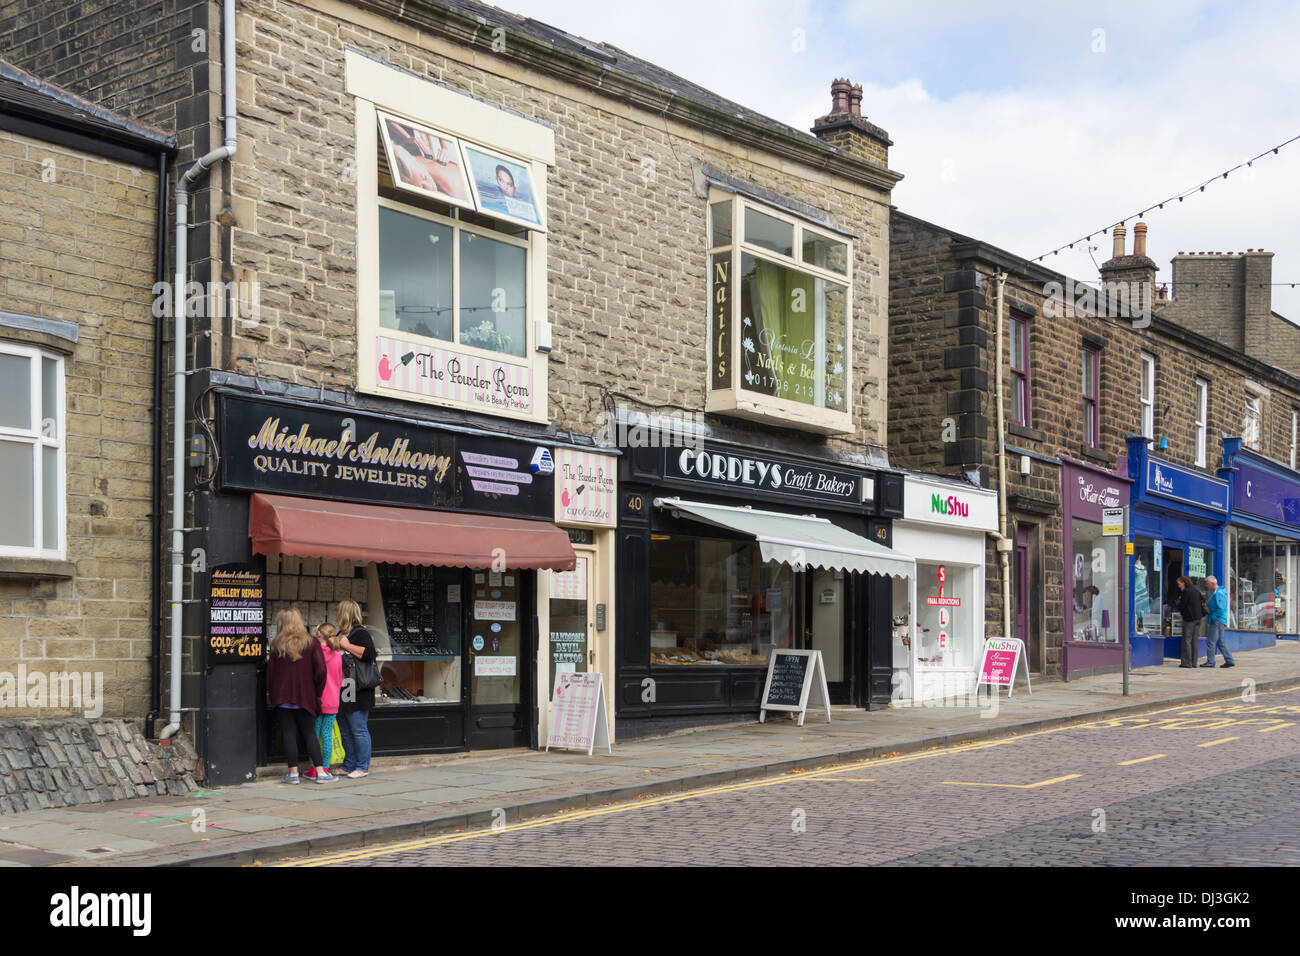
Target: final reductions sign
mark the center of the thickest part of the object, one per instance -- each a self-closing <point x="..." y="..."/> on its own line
<point x="348" y="456"/>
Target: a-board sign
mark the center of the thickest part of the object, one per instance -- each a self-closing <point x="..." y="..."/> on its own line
<point x="795" y="679"/>
<point x="578" y="719"/>
<point x="1001" y="660"/>
<point x="236" y="615"/>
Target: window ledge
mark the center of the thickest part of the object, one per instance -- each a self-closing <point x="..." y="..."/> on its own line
<point x="1021" y="431"/>
<point x="35" y="568"/>
<point x="1097" y="455"/>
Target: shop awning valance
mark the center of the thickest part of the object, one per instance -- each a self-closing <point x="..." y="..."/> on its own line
<point x="820" y="543"/>
<point x="280" y="524"/>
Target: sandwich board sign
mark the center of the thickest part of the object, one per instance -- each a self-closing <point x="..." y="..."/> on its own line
<point x="795" y="679"/>
<point x="1002" y="659"/>
<point x="578" y="718"/>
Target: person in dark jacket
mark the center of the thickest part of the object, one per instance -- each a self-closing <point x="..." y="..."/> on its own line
<point x="355" y="703"/>
<point x="295" y="679"/>
<point x="1188" y="604"/>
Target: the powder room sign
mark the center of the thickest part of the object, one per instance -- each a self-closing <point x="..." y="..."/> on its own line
<point x="293" y="449"/>
<point x="444" y="373"/>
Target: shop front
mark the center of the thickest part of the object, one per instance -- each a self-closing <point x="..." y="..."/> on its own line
<point x="445" y="538"/>
<point x="1093" y="569"/>
<point x="1261" y="548"/>
<point x="726" y="553"/>
<point x="936" y="647"/>
<point x="1176" y="528"/>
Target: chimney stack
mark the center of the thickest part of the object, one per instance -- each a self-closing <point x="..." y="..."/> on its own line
<point x="845" y="128"/>
<point x="1118" y="250"/>
<point x="1131" y="277"/>
<point x="1140" y="239"/>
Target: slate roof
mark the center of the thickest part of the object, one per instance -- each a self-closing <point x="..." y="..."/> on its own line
<point x="23" y="94"/>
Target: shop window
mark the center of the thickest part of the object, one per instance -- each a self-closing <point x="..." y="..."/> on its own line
<point x="32" y="462"/>
<point x="780" y="299"/>
<point x="1202" y="421"/>
<point x="716" y="602"/>
<point x="1020" y="371"/>
<point x="1148" y="596"/>
<point x="419" y="643"/>
<point x="1090" y="391"/>
<point x="944" y="595"/>
<point x="1147" y="397"/>
<point x="1259" y="595"/>
<point x="1094" y="570"/>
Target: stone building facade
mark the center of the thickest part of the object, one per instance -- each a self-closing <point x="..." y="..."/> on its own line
<point x="624" y="160"/>
<point x="79" y="214"/>
<point x="943" y="411"/>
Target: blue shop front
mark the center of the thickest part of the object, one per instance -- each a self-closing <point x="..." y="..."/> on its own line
<point x="1261" y="549"/>
<point x="1177" y="518"/>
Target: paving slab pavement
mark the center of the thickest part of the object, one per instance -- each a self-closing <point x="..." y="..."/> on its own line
<point x="266" y="820"/>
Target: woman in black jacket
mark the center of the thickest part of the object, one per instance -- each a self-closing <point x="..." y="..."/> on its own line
<point x="1188" y="604"/>
<point x="356" y="703"/>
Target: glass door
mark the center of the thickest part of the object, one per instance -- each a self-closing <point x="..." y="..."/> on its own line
<point x="573" y="626"/>
<point x="499" y="648"/>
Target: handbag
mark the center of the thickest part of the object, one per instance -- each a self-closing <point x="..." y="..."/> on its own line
<point x="364" y="674"/>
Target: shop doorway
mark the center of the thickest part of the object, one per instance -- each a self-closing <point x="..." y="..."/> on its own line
<point x="826" y="600"/>
<point x="573" y="618"/>
<point x="1027" y="593"/>
<point x="500" y="659"/>
<point x="1172" y="559"/>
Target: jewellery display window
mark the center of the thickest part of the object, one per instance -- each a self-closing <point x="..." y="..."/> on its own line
<point x="420" y="645"/>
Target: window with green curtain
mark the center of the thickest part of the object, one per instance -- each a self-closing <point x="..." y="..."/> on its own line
<point x="781" y="344"/>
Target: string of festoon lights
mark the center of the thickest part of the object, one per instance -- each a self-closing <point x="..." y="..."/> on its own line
<point x="1176" y="197"/>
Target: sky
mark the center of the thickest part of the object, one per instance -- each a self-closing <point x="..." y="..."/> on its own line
<point x="1024" y="124"/>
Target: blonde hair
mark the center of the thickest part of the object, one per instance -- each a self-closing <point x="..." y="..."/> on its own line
<point x="329" y="636"/>
<point x="349" y="616"/>
<point x="291" y="636"/>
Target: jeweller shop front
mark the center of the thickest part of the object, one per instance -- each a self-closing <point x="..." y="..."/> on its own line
<point x="936" y="648"/>
<point x="438" y="532"/>
<point x="727" y="552"/>
<point x="1176" y="528"/>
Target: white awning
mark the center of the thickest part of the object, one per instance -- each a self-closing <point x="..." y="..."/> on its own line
<point x="799" y="539"/>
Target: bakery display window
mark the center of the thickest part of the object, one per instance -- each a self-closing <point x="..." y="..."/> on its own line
<point x="420" y="642"/>
<point x="713" y="601"/>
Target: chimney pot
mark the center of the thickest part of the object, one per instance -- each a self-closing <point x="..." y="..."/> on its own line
<point x="840" y="96"/>
<point x="855" y="99"/>
<point x="1140" y="239"/>
<point x="1118" y="248"/>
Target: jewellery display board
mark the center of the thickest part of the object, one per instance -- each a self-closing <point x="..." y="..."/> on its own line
<point x="423" y="623"/>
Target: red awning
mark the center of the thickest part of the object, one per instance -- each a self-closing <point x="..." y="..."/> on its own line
<point x="279" y="524"/>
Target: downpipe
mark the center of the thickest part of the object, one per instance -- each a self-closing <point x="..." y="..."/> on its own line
<point x="184" y="188"/>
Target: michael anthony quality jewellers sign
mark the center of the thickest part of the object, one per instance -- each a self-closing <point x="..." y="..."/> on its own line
<point x="347" y="456"/>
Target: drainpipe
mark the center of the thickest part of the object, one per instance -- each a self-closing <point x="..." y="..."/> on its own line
<point x="159" y="477"/>
<point x="1004" y="542"/>
<point x="183" y="190"/>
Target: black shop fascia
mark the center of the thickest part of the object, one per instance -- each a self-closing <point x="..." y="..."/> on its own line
<point x="436" y="531"/>
<point x="713" y="575"/>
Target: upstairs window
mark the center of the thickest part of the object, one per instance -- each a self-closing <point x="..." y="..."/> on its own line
<point x="1202" y="421"/>
<point x="1147" y="397"/>
<point x="1091" y="396"/>
<point x="780" y="324"/>
<point x="31" y="453"/>
<point x="1019" y="371"/>
<point x="1251" y="421"/>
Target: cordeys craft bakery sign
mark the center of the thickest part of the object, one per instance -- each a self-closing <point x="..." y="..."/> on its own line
<point x="743" y="473"/>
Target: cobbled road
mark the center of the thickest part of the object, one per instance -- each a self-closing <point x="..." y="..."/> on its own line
<point x="1209" y="784"/>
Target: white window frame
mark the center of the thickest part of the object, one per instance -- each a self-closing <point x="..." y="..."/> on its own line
<point x="1295" y="433"/>
<point x="1202" y="421"/>
<point x="756" y="406"/>
<point x="1147" y="397"/>
<point x="37" y="437"/>
<point x="1252" y="427"/>
<point x="376" y="85"/>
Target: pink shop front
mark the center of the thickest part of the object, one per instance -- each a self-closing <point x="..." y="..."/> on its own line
<point x="1093" y="570"/>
